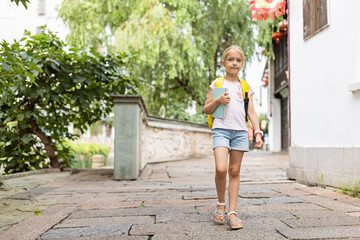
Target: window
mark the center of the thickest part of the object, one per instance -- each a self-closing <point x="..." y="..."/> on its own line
<point x="315" y="14"/>
<point x="41" y="9"/>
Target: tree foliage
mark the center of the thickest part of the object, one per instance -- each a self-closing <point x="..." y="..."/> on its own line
<point x="264" y="39"/>
<point x="23" y="2"/>
<point x="43" y="89"/>
<point x="179" y="43"/>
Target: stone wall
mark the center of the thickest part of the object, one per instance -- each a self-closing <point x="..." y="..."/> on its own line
<point x="336" y="167"/>
<point x="167" y="139"/>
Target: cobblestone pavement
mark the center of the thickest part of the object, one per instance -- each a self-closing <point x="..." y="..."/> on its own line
<point x="174" y="200"/>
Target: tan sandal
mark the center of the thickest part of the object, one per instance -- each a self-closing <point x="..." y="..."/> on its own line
<point x="232" y="222"/>
<point x="218" y="213"/>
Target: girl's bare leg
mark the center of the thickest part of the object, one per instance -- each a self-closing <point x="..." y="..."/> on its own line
<point x="221" y="156"/>
<point x="234" y="179"/>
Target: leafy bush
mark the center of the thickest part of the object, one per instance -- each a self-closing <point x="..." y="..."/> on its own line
<point x="43" y="89"/>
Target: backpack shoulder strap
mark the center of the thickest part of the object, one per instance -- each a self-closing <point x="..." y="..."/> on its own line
<point x="219" y="82"/>
<point x="245" y="88"/>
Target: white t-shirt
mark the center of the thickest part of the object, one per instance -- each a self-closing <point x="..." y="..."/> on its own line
<point x="234" y="111"/>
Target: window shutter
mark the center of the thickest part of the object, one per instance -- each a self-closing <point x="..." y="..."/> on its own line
<point x="315" y="16"/>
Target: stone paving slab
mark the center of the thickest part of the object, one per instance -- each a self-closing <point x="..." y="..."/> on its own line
<point x="322" y="222"/>
<point x="209" y="189"/>
<point x="323" y="192"/>
<point x="109" y="203"/>
<point x="34" y="206"/>
<point x="7" y="220"/>
<point x="173" y="228"/>
<point x="260" y="195"/>
<point x="120" y="237"/>
<point x="55" y="197"/>
<point x="269" y="209"/>
<point x="255" y="224"/>
<point x="88" y="222"/>
<point x="281" y="215"/>
<point x="197" y="196"/>
<point x="136" y="197"/>
<point x="34" y="226"/>
<point x="254" y="181"/>
<point x="175" y="203"/>
<point x="14" y="211"/>
<point x="291" y="191"/>
<point x="77" y="198"/>
<point x="18" y="185"/>
<point x="67" y="233"/>
<point x="130" y="212"/>
<point x="220" y="235"/>
<point x="32" y="193"/>
<point x="159" y="196"/>
<point x="330" y="203"/>
<point x="262" y="228"/>
<point x="328" y="232"/>
<point x="281" y="207"/>
<point x="182" y="218"/>
<point x="271" y="200"/>
<point x="316" y="213"/>
<point x="351" y="200"/>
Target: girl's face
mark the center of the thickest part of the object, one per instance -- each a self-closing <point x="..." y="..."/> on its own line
<point x="233" y="62"/>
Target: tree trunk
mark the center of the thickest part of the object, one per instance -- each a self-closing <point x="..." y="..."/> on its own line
<point x="47" y="143"/>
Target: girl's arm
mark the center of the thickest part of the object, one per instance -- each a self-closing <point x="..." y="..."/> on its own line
<point x="211" y="105"/>
<point x="254" y="122"/>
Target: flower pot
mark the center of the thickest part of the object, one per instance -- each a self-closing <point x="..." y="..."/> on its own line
<point x="97" y="161"/>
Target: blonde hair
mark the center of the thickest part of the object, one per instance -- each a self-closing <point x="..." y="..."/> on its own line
<point x="234" y="47"/>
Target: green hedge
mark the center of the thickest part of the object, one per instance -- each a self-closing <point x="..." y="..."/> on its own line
<point x="84" y="151"/>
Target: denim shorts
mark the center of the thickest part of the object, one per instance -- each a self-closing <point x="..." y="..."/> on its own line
<point x="232" y="139"/>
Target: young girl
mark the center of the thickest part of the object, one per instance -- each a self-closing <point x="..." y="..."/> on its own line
<point x="230" y="135"/>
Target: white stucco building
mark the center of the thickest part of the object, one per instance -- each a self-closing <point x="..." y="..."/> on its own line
<point x="323" y="92"/>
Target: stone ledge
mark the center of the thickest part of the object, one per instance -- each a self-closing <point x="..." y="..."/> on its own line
<point x="313" y="178"/>
<point x="24" y="174"/>
<point x="157" y="122"/>
<point x="332" y="166"/>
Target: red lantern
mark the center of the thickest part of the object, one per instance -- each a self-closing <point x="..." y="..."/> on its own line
<point x="277" y="36"/>
<point x="283" y="26"/>
<point x="271" y="7"/>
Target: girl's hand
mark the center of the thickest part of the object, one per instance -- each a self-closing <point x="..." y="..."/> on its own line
<point x="259" y="142"/>
<point x="224" y="99"/>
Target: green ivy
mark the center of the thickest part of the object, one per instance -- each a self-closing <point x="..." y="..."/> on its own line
<point x="264" y="39"/>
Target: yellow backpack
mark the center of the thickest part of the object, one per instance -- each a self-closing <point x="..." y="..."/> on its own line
<point x="245" y="88"/>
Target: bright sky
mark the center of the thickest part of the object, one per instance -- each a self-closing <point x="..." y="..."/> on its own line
<point x="254" y="74"/>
